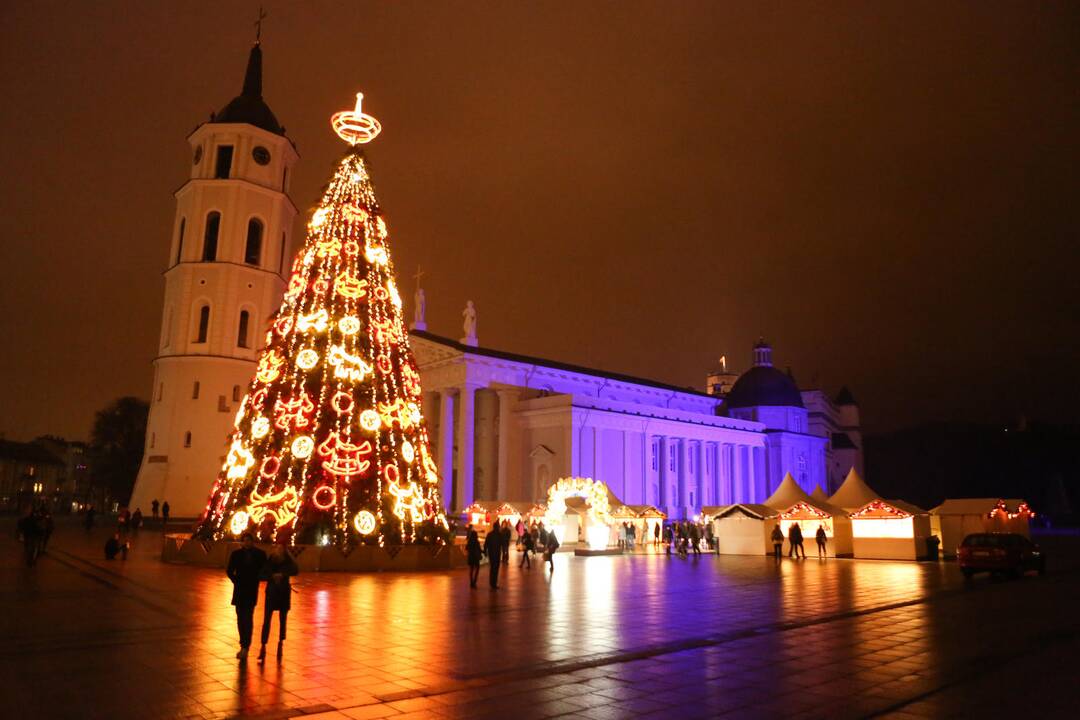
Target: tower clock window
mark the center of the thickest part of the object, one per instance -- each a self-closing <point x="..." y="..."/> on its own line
<point x="224" y="161"/>
<point x="261" y="155"/>
<point x="242" y="333"/>
<point x="204" y="324"/>
<point x="210" y="237"/>
<point x="253" y="247"/>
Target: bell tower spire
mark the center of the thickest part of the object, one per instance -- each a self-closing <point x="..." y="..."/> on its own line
<point x="224" y="277"/>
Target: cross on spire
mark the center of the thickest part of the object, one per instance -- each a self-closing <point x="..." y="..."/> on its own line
<point x="258" y="25"/>
<point x="419" y="274"/>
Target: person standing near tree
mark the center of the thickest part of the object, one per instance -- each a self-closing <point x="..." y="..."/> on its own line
<point x="493" y="550"/>
<point x="473" y="553"/>
<point x="90" y="512"/>
<point x="154" y="508"/>
<point x="277" y="570"/>
<point x="244" y="569"/>
<point x="822" y="538"/>
<point x="164" y="514"/>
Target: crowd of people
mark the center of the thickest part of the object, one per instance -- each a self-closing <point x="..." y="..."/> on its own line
<point x="496" y="548"/>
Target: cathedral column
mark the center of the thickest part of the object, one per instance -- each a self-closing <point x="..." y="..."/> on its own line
<point x="464" y="491"/>
<point x="446" y="448"/>
<point x="507" y="399"/>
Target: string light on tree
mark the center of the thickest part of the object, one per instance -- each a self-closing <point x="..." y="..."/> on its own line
<point x="332" y="420"/>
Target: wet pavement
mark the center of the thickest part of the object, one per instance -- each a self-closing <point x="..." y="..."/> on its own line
<point x="600" y="637"/>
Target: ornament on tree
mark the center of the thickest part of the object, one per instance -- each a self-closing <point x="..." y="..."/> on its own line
<point x="330" y="440"/>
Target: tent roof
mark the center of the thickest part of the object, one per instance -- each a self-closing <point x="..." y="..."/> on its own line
<point x="820" y="505"/>
<point x="895" y="504"/>
<point x="644" y="511"/>
<point x="973" y="506"/>
<point x="819" y="494"/>
<point x="787" y="494"/>
<point x="753" y="510"/>
<point x="853" y="493"/>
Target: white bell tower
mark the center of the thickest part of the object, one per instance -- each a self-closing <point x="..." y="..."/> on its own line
<point x="224" y="279"/>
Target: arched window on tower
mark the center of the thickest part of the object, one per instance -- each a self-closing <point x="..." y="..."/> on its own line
<point x="210" y="237"/>
<point x="242" y="331"/>
<point x="204" y="324"/>
<point x="236" y="393"/>
<point x="187" y="439"/>
<point x="180" y="242"/>
<point x="253" y="248"/>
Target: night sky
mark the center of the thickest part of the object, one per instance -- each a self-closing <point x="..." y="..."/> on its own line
<point x="885" y="191"/>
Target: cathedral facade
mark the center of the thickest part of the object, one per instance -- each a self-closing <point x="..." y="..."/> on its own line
<point x="507" y="426"/>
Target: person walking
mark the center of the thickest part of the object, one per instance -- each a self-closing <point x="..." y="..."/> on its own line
<point x="795" y="539"/>
<point x="695" y="538"/>
<point x="473" y="553"/>
<point x="136" y="520"/>
<point x="506" y="534"/>
<point x="526" y="548"/>
<point x="164" y="514"/>
<point x="822" y="538"/>
<point x="45" y="528"/>
<point x="154" y="507"/>
<point x="549" y="550"/>
<point x="276" y="571"/>
<point x="29" y="530"/>
<point x="777" y="542"/>
<point x="493" y="550"/>
<point x="245" y="566"/>
<point x="89" y="520"/>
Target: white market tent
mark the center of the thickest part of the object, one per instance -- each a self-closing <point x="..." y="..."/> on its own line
<point x="853" y="493"/>
<point x="819" y="494"/>
<point x="787" y="493"/>
<point x="890" y="530"/>
<point x="952" y="520"/>
<point x="744" y="529"/>
<point x="795" y="506"/>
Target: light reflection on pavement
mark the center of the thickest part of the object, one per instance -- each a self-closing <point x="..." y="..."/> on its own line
<point x="600" y="637"/>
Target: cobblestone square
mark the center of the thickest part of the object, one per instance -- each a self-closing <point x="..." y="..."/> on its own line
<point x="600" y="637"/>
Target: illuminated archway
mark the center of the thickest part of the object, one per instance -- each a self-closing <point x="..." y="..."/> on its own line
<point x="596" y="499"/>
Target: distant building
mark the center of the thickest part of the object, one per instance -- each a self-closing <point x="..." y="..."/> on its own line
<point x="29" y="474"/>
<point x="73" y="486"/>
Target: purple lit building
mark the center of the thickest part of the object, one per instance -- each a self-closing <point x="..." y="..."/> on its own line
<point x="507" y="426"/>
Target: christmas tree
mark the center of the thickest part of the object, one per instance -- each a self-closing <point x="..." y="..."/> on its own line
<point x="329" y="444"/>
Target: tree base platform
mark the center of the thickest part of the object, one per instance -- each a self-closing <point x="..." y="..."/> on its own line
<point x="586" y="552"/>
<point x="182" y="549"/>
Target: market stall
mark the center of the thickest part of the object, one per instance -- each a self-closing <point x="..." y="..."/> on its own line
<point x="890" y="530"/>
<point x="853" y="493"/>
<point x="744" y="529"/>
<point x="952" y="520"/>
<point x="811" y="514"/>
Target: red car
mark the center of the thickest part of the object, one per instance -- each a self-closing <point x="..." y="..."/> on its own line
<point x="1008" y="553"/>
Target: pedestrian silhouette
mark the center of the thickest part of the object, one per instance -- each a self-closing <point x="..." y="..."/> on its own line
<point x="244" y="569"/>
<point x="473" y="552"/>
<point x="277" y="570"/>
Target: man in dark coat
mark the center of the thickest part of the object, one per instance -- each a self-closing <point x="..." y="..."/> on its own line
<point x="245" y="568"/>
<point x="493" y="550"/>
<point x="276" y="572"/>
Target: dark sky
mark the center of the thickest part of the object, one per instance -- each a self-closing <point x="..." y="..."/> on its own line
<point x="886" y="191"/>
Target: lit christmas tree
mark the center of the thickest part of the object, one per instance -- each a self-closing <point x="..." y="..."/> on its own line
<point x="329" y="443"/>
